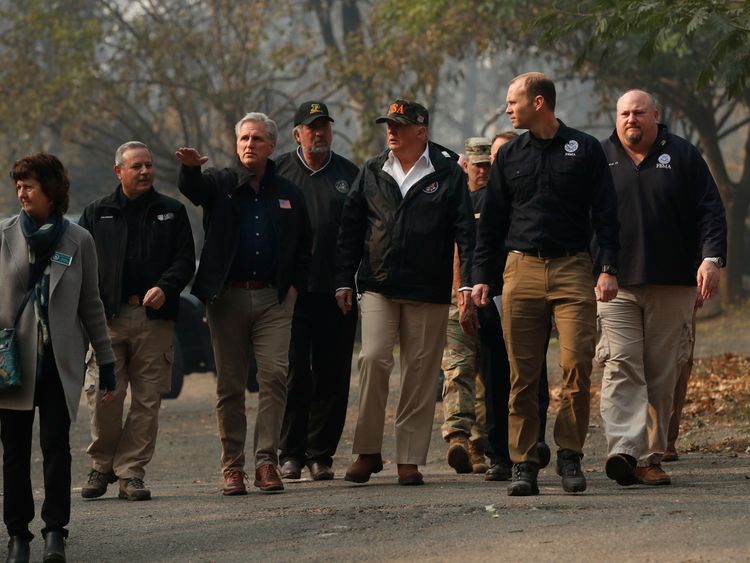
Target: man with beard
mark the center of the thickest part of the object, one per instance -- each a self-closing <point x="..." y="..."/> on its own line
<point x="322" y="336"/>
<point x="673" y="237"/>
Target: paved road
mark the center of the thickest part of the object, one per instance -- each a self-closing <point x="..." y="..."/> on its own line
<point x="705" y="515"/>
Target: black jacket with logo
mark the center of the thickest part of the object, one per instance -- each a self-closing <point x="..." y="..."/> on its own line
<point x="213" y="190"/>
<point x="167" y="250"/>
<point x="671" y="214"/>
<point x="325" y="191"/>
<point x="402" y="247"/>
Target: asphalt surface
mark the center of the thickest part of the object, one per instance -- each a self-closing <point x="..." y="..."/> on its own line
<point x="703" y="516"/>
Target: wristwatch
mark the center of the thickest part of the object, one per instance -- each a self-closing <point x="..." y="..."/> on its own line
<point x="607" y="269"/>
<point x="718" y="260"/>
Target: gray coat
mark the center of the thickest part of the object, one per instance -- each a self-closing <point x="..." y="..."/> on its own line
<point x="75" y="311"/>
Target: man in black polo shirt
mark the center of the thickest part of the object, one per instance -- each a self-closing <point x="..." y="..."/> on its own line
<point x="547" y="189"/>
<point x="322" y="336"/>
<point x="255" y="257"/>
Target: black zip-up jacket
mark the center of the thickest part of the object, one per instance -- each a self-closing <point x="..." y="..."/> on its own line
<point x="167" y="250"/>
<point x="403" y="246"/>
<point x="325" y="191"/>
<point x="671" y="214"/>
<point x="213" y="190"/>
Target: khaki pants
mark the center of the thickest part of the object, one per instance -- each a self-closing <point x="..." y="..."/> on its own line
<point x="144" y="355"/>
<point x="680" y="394"/>
<point x="535" y="288"/>
<point x="463" y="389"/>
<point x="236" y="319"/>
<point x="421" y="330"/>
<point x="645" y="335"/>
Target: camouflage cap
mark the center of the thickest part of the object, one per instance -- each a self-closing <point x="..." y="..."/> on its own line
<point x="477" y="149"/>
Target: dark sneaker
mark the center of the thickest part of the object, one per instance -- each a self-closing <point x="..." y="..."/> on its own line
<point x="498" y="472"/>
<point x="653" y="475"/>
<point x="97" y="482"/>
<point x="569" y="468"/>
<point x="621" y="468"/>
<point x="524" y="480"/>
<point x="134" y="489"/>
<point x="542" y="451"/>
<point x="458" y="454"/>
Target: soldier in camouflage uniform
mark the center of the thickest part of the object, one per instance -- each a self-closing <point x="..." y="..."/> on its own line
<point x="463" y="390"/>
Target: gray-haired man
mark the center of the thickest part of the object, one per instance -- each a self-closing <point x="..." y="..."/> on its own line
<point x="146" y="257"/>
<point x="255" y="259"/>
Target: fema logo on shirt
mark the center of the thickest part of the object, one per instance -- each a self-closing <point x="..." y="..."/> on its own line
<point x="430" y="189"/>
<point x="664" y="160"/>
<point x="571" y="147"/>
<point x="342" y="186"/>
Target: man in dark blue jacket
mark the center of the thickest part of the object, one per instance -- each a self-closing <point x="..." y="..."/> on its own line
<point x="407" y="208"/>
<point x="673" y="236"/>
<point x="255" y="259"/>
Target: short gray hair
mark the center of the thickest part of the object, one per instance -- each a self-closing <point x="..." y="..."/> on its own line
<point x="271" y="128"/>
<point x="125" y="147"/>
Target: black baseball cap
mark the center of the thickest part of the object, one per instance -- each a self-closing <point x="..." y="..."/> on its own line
<point x="406" y="112"/>
<point x="308" y="112"/>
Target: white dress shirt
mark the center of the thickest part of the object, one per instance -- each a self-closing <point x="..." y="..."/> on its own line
<point x="406" y="180"/>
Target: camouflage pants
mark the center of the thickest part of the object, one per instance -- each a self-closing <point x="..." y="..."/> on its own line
<point x="463" y="389"/>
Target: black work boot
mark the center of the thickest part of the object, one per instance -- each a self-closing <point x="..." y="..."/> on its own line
<point x="54" y="547"/>
<point x="569" y="468"/>
<point x="18" y="550"/>
<point x="524" y="480"/>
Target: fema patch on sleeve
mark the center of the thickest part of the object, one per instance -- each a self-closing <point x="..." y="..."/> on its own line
<point x="431" y="188"/>
<point x="342" y="186"/>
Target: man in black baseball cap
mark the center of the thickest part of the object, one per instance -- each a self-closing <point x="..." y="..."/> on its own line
<point x="322" y="336"/>
<point x="405" y="211"/>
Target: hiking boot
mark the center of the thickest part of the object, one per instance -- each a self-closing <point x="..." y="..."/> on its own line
<point x="524" y="480"/>
<point x="476" y="456"/>
<point x="96" y="485"/>
<point x="543" y="453"/>
<point x="621" y="468"/>
<point x="653" y="475"/>
<point x="134" y="489"/>
<point x="500" y="471"/>
<point x="458" y="454"/>
<point x="569" y="468"/>
<point x="234" y="482"/>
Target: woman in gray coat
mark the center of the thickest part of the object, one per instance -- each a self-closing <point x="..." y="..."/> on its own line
<point x="55" y="262"/>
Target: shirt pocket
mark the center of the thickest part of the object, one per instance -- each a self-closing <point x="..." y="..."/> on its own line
<point x="521" y="180"/>
<point x="569" y="175"/>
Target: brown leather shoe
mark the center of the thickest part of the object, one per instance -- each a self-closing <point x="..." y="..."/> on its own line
<point x="409" y="475"/>
<point x="364" y="466"/>
<point x="670" y="455"/>
<point x="458" y="454"/>
<point x="234" y="482"/>
<point x="476" y="456"/>
<point x="267" y="478"/>
<point x="653" y="475"/>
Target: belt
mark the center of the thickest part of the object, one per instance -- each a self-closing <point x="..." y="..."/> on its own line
<point x="249" y="284"/>
<point x="547" y="252"/>
<point x="134" y="300"/>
